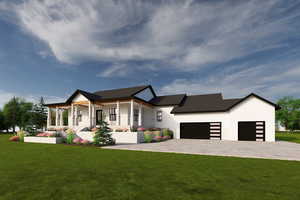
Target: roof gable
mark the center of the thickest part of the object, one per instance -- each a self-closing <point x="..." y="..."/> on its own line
<point x="121" y="93"/>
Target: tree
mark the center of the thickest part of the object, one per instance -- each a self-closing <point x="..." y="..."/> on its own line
<point x="11" y="112"/>
<point x="103" y="136"/>
<point x="39" y="115"/>
<point x="289" y="114"/>
<point x="17" y="112"/>
<point x="3" y="122"/>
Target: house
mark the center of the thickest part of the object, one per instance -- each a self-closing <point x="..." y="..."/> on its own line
<point x="206" y="116"/>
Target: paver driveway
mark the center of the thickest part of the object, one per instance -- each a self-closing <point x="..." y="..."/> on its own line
<point x="271" y="150"/>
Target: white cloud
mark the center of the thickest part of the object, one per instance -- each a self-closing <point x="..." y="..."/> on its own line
<point x="186" y="34"/>
<point x="116" y="70"/>
<point x="272" y="80"/>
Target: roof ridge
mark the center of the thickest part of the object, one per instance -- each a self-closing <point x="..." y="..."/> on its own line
<point x="122" y="88"/>
<point x="205" y="94"/>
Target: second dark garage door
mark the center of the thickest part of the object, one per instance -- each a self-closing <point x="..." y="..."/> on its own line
<point x="200" y="130"/>
<point x="251" y="131"/>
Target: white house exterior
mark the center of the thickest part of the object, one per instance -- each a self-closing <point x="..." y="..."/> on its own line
<point x="195" y="117"/>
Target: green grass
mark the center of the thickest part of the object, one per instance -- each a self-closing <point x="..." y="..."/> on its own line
<point x="41" y="171"/>
<point x="290" y="137"/>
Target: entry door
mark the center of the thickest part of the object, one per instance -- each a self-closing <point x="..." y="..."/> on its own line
<point x="99" y="116"/>
<point x="195" y="130"/>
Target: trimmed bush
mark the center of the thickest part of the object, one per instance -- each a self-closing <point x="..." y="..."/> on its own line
<point x="148" y="137"/>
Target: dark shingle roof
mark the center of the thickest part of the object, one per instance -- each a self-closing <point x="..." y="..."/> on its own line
<point x="167" y="100"/>
<point x="120" y="93"/>
<point x="212" y="103"/>
<point x="201" y="103"/>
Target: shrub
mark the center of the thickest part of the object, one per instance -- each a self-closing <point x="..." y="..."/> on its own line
<point x="148" y="136"/>
<point x="133" y="129"/>
<point x="141" y="129"/>
<point x="157" y="138"/>
<point x="77" y="140"/>
<point x="103" y="136"/>
<point x="166" y="137"/>
<point x="21" y="135"/>
<point x="167" y="132"/>
<point x="14" y="138"/>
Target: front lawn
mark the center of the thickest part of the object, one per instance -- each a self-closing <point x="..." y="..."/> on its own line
<point x="45" y="171"/>
<point x="290" y="137"/>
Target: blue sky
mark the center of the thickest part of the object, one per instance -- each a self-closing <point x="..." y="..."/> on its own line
<point x="52" y="47"/>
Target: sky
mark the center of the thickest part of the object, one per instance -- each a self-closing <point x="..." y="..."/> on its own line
<point x="50" y="48"/>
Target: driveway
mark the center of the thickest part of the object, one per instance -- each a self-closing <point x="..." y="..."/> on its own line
<point x="270" y="150"/>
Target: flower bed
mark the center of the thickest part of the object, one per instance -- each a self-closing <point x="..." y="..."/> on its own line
<point x="156" y="134"/>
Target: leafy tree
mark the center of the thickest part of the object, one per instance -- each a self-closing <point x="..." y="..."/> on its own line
<point x="289" y="114"/>
<point x="3" y="122"/>
<point x="12" y="112"/>
<point x="17" y="112"/>
<point x="103" y="136"/>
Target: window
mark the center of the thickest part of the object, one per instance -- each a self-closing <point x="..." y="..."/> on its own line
<point x="112" y="114"/>
<point x="159" y="115"/>
<point x="136" y="115"/>
<point x="79" y="116"/>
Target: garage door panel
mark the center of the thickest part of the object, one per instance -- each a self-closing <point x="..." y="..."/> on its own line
<point x="251" y="131"/>
<point x="200" y="130"/>
<point x="194" y="130"/>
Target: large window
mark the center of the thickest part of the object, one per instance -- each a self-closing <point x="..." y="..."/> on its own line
<point x="112" y="114"/>
<point x="159" y="115"/>
<point x="136" y="115"/>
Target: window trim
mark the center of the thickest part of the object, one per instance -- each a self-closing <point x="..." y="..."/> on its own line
<point x="112" y="114"/>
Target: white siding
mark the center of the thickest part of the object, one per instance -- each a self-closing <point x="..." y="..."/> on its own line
<point x="254" y="109"/>
<point x="168" y="119"/>
<point x="79" y="97"/>
<point x="148" y="117"/>
<point x="146" y="95"/>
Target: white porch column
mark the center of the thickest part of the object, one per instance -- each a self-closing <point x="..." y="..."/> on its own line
<point x="90" y="114"/>
<point x="131" y="113"/>
<point x="61" y="117"/>
<point x="49" y="117"/>
<point x="93" y="115"/>
<point x="76" y="116"/>
<point x="140" y="115"/>
<point x="56" y="117"/>
<point x="72" y="115"/>
<point x="118" y="113"/>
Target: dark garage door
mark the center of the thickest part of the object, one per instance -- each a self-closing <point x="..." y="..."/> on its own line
<point x="251" y="131"/>
<point x="195" y="130"/>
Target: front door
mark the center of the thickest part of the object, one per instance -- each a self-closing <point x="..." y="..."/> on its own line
<point x="99" y="116"/>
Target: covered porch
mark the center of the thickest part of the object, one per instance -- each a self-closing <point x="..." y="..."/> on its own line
<point x="83" y="113"/>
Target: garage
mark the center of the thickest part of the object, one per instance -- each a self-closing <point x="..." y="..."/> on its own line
<point x="251" y="131"/>
<point x="200" y="130"/>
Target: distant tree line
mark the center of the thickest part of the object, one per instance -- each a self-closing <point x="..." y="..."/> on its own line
<point x="289" y="114"/>
<point x="26" y="115"/>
